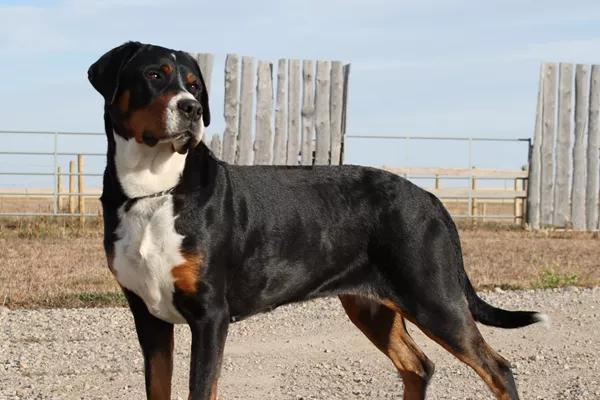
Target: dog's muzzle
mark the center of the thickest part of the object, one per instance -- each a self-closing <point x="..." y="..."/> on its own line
<point x="190" y="109"/>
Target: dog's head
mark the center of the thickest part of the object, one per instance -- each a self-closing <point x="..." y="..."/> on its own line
<point x="152" y="94"/>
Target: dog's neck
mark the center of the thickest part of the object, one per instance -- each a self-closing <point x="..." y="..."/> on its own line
<point x="143" y="170"/>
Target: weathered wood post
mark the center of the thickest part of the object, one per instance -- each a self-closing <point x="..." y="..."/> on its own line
<point x="71" y="187"/>
<point x="81" y="190"/>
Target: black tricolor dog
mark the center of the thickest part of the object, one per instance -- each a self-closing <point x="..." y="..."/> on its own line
<point x="193" y="240"/>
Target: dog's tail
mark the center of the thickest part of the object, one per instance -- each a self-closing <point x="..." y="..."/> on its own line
<point x="482" y="311"/>
<point x="489" y="315"/>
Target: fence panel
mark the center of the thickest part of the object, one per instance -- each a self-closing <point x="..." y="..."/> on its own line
<point x="575" y="206"/>
<point x="33" y="201"/>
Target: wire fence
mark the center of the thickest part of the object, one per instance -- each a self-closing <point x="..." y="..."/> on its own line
<point x="468" y="172"/>
<point x="403" y="164"/>
<point x="52" y="194"/>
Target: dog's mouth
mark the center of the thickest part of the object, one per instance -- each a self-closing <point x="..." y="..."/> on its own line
<point x="184" y="141"/>
<point x="181" y="141"/>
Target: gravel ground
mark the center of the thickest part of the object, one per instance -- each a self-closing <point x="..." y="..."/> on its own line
<point x="305" y="351"/>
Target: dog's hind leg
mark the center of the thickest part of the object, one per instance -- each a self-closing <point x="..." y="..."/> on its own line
<point x="452" y="327"/>
<point x="387" y="330"/>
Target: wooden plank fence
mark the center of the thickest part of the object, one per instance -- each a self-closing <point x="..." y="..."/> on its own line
<point x="289" y="113"/>
<point x="564" y="163"/>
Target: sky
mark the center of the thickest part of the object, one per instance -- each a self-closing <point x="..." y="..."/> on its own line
<point x="418" y="67"/>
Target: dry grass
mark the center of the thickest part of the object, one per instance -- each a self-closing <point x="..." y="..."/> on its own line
<point x="49" y="262"/>
<point x="519" y="259"/>
<point x="54" y="262"/>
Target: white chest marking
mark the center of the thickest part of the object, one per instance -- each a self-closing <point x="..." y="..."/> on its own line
<point x="144" y="170"/>
<point x="147" y="250"/>
<point x="148" y="247"/>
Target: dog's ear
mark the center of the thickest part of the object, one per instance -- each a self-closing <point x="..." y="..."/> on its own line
<point x="204" y="102"/>
<point x="104" y="73"/>
<point x="203" y="94"/>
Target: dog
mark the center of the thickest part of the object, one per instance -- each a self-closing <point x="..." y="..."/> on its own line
<point x="193" y="240"/>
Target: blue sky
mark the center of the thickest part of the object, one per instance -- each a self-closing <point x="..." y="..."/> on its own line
<point x="419" y="67"/>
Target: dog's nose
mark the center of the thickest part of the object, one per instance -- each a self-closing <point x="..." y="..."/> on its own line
<point x="191" y="108"/>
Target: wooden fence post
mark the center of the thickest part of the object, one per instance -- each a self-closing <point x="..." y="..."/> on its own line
<point x="280" y="141"/>
<point x="524" y="201"/>
<point x="582" y="79"/>
<point x="473" y="199"/>
<point x="263" y="145"/>
<point x="231" y="109"/>
<point x="244" y="151"/>
<point x="293" y="141"/>
<point x="336" y="110"/>
<point x="535" y="163"/>
<point x="345" y="97"/>
<point x="518" y="206"/>
<point x="561" y="213"/>
<point x="81" y="189"/>
<point x="215" y="145"/>
<point x="71" y="187"/>
<point x="322" y="116"/>
<point x="59" y="189"/>
<point x="308" y="111"/>
<point x="548" y="142"/>
<point x="592" y="152"/>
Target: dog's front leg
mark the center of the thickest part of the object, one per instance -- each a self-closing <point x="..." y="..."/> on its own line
<point x="209" y="333"/>
<point x="156" y="340"/>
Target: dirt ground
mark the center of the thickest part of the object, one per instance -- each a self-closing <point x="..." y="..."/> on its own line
<point x="305" y="351"/>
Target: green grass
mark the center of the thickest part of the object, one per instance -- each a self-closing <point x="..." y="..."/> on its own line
<point x="550" y="279"/>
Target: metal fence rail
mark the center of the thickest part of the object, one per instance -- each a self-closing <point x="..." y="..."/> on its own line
<point x="56" y="152"/>
<point x="470" y="140"/>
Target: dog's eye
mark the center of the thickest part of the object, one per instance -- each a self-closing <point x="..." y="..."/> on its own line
<point x="154" y="75"/>
<point x="194" y="87"/>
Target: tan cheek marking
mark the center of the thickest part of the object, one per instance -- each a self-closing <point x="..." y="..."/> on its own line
<point x="187" y="274"/>
<point x="124" y="101"/>
<point x="150" y="119"/>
